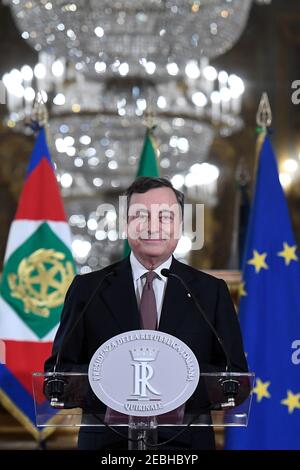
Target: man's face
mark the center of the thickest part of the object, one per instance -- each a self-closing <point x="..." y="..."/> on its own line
<point x="154" y="224"/>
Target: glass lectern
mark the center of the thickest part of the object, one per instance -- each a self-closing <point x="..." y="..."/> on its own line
<point x="65" y="399"/>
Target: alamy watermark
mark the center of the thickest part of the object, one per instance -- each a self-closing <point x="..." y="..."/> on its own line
<point x="296" y="353"/>
<point x="2" y="93"/>
<point x="154" y="222"/>
<point x="296" y="94"/>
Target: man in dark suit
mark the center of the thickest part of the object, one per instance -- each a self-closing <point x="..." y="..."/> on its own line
<point x="155" y="213"/>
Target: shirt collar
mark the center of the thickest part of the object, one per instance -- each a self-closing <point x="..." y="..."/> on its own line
<point x="139" y="270"/>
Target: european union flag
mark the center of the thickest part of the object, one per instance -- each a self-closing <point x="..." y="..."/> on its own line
<point x="270" y="317"/>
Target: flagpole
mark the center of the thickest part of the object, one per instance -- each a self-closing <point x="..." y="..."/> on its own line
<point x="151" y="125"/>
<point x="39" y="116"/>
<point x="263" y="123"/>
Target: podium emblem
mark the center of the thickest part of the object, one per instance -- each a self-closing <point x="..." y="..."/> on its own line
<point x="144" y="373"/>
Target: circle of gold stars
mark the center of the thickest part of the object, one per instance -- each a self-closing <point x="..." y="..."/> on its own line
<point x="292" y="400"/>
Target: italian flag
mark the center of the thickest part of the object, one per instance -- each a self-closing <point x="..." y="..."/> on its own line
<point x="38" y="269"/>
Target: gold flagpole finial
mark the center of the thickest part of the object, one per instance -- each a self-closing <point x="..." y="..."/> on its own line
<point x="149" y="119"/>
<point x="263" y="122"/>
<point x="264" y="113"/>
<point x="39" y="114"/>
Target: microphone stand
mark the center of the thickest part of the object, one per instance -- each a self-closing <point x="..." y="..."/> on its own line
<point x="55" y="384"/>
<point x="230" y="386"/>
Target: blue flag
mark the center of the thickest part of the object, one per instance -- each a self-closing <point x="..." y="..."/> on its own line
<point x="270" y="317"/>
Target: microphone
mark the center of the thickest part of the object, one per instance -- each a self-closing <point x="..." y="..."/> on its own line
<point x="55" y="384"/>
<point x="229" y="385"/>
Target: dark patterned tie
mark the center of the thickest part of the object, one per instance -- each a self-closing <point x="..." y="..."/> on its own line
<point x="148" y="309"/>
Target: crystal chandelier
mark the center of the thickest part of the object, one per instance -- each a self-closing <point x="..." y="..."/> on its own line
<point x="207" y="28"/>
<point x="97" y="126"/>
<point x="149" y="56"/>
<point x="131" y="37"/>
<point x="97" y="131"/>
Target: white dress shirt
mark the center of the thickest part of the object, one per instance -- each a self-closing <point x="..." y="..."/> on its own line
<point x="159" y="282"/>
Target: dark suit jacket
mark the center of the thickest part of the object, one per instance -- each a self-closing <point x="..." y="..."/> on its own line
<point x="114" y="310"/>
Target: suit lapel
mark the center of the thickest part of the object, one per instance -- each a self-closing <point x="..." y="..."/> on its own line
<point x="120" y="298"/>
<point x="176" y="303"/>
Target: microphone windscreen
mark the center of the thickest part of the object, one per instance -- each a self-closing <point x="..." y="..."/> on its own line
<point x="165" y="272"/>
